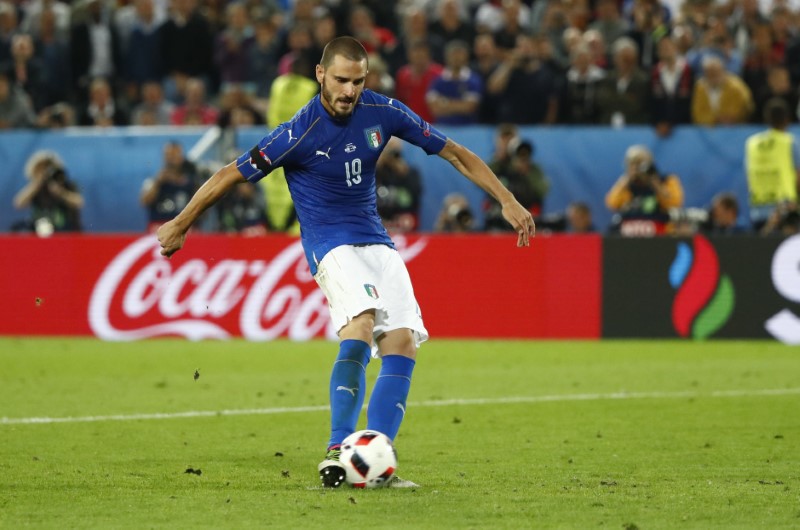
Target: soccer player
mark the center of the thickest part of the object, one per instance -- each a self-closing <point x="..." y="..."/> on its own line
<point x="329" y="150"/>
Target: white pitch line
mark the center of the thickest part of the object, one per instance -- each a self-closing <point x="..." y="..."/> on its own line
<point x="429" y="403"/>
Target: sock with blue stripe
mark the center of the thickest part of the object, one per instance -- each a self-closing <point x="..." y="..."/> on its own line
<point x="387" y="405"/>
<point x="347" y="389"/>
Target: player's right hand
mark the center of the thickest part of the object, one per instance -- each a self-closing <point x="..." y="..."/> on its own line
<point x="171" y="238"/>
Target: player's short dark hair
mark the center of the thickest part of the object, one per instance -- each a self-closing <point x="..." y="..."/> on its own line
<point x="347" y="47"/>
<point x="776" y="113"/>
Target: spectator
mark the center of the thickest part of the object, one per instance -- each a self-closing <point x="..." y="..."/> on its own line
<point x="33" y="10"/>
<point x="238" y="109"/>
<point x="52" y="50"/>
<point x="263" y="57"/>
<point x="760" y="59"/>
<point x="512" y="25"/>
<point x="772" y="161"/>
<point x="487" y="59"/>
<point x="232" y="47"/>
<point x="784" y="221"/>
<point x="56" y="116"/>
<point x="26" y="70"/>
<point x="399" y="189"/>
<point x="642" y="197"/>
<point x="579" y="218"/>
<point x="414" y="79"/>
<point x="300" y="42"/>
<point x="94" y="47"/>
<point x="378" y="78"/>
<point x="720" y="97"/>
<point x="505" y="139"/>
<point x="624" y="96"/>
<point x="583" y="80"/>
<point x="648" y="28"/>
<point x="490" y="16"/>
<point x="671" y="88"/>
<point x="608" y="21"/>
<point x="455" y="95"/>
<point x="195" y="110"/>
<point x="54" y="199"/>
<point x="455" y="215"/>
<point x="186" y="48"/>
<point x="525" y="179"/>
<point x="142" y="57"/>
<point x="778" y="85"/>
<point x="722" y="216"/>
<point x="16" y="110"/>
<point x="527" y="88"/>
<point x="415" y="28"/>
<point x="717" y="44"/>
<point x="8" y="28"/>
<point x="576" y="219"/>
<point x="597" y="47"/>
<point x="450" y="25"/>
<point x="102" y="110"/>
<point x="166" y="194"/>
<point x="154" y="109"/>
<point x="374" y="38"/>
<point x="241" y="211"/>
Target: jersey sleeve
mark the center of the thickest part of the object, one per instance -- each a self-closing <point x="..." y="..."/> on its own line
<point x="268" y="154"/>
<point x="407" y="125"/>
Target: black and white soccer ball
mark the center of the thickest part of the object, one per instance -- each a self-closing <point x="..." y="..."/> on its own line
<point x="369" y="459"/>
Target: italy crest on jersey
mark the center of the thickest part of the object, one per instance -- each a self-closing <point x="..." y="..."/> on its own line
<point x="374" y="137"/>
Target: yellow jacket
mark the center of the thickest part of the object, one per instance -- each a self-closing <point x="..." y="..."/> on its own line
<point x="669" y="196"/>
<point x="735" y="102"/>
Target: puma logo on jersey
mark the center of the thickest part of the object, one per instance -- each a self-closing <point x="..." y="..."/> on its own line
<point x="390" y="101"/>
<point x="351" y="390"/>
<point x="290" y="135"/>
<point x="325" y="153"/>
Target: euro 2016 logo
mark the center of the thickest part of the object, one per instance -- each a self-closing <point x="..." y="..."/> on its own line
<point x="705" y="298"/>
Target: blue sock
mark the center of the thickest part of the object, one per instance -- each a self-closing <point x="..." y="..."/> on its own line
<point x="387" y="405"/>
<point x="348" y="386"/>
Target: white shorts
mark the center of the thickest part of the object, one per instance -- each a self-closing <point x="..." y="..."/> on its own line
<point x="359" y="278"/>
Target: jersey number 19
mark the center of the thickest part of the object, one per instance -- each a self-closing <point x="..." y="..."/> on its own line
<point x="353" y="171"/>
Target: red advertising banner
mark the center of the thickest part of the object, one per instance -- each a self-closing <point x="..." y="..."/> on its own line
<point x="120" y="288"/>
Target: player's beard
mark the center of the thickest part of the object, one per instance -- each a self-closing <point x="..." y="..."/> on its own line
<point x="331" y="101"/>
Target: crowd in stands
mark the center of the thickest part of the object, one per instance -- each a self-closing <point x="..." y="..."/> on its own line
<point x="456" y="62"/>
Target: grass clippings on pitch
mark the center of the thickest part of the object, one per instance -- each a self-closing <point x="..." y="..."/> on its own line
<point x="499" y="434"/>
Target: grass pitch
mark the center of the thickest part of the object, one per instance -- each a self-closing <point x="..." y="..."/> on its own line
<point x="499" y="435"/>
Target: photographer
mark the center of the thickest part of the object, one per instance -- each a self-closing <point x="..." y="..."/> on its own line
<point x="169" y="191"/>
<point x="455" y="215"/>
<point x="642" y="197"/>
<point x="399" y="189"/>
<point x="53" y="197"/>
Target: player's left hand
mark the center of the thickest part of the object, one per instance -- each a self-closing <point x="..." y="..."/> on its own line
<point x="522" y="221"/>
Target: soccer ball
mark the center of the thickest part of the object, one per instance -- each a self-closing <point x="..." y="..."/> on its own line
<point x="369" y="459"/>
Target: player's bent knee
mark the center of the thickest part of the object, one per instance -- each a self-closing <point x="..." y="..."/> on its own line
<point x="359" y="328"/>
<point x="398" y="342"/>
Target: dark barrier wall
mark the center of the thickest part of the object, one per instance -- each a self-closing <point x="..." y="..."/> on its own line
<point x="582" y="164"/>
<point x="697" y="288"/>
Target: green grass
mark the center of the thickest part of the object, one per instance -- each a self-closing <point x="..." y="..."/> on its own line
<point x="682" y="455"/>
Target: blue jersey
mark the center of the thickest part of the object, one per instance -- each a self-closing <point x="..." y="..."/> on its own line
<point x="330" y="168"/>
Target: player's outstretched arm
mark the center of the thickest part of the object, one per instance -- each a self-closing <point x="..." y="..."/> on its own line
<point x="475" y="169"/>
<point x="172" y="234"/>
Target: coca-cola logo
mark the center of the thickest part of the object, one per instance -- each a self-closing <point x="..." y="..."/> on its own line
<point x="141" y="294"/>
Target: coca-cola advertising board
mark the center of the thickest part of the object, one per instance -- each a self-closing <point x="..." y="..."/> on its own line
<point x="260" y="288"/>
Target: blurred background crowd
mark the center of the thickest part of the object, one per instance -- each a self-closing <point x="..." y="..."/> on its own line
<point x="455" y="62"/>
